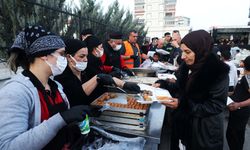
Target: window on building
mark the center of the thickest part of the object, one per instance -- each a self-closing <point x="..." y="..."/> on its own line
<point x="168" y="14"/>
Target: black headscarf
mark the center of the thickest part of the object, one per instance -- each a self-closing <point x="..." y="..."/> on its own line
<point x="200" y="42"/>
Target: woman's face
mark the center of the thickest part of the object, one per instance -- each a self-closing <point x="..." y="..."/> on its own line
<point x="188" y="56"/>
<point x="80" y="56"/>
<point x="52" y="58"/>
<point x="56" y="62"/>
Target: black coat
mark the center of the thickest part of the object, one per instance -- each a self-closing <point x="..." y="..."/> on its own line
<point x="198" y="120"/>
<point x="113" y="58"/>
<point x="94" y="66"/>
<point x="72" y="87"/>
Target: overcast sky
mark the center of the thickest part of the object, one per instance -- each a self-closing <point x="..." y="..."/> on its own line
<point x="204" y="13"/>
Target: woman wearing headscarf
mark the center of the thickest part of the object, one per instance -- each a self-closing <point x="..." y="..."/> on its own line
<point x="35" y="111"/>
<point x="74" y="76"/>
<point x="203" y="85"/>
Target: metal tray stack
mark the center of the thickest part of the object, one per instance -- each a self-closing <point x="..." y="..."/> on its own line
<point x="132" y="115"/>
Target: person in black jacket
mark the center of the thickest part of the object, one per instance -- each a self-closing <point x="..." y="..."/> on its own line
<point x="239" y="110"/>
<point x="203" y="85"/>
<point x="80" y="89"/>
<point x="111" y="58"/>
<point x="74" y="81"/>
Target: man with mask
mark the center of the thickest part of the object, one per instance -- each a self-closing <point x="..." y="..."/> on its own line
<point x="111" y="58"/>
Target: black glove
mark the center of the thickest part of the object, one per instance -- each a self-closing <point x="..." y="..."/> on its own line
<point x="116" y="69"/>
<point x="116" y="72"/>
<point x="131" y="87"/>
<point x="105" y="79"/>
<point x="129" y="72"/>
<point x="95" y="111"/>
<point x="76" y="113"/>
<point x="134" y="56"/>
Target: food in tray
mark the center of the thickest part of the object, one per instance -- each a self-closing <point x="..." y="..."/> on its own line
<point x="132" y="103"/>
<point x="162" y="98"/>
<point x="147" y="92"/>
<point x="147" y="95"/>
<point x="107" y="96"/>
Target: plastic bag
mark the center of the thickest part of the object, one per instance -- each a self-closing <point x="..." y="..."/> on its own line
<point x="110" y="141"/>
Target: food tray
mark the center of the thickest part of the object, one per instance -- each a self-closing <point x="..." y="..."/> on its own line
<point x="156" y="95"/>
<point x="132" y="105"/>
<point x="120" y="115"/>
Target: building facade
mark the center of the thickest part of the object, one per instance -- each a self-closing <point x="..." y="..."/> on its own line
<point x="160" y="17"/>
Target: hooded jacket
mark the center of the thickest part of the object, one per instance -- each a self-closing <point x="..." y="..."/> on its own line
<point x="19" y="100"/>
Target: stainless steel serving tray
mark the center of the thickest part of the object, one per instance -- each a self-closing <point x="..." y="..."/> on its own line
<point x="127" y="118"/>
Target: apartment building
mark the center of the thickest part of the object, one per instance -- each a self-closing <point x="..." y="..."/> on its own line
<point x="160" y="17"/>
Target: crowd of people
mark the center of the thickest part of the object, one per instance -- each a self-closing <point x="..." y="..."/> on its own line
<point x="60" y="79"/>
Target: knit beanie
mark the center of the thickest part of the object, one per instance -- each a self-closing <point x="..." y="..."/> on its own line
<point x="73" y="45"/>
<point x="92" y="42"/>
<point x="115" y="35"/>
<point x="86" y="31"/>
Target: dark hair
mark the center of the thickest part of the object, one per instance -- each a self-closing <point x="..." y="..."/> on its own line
<point x="132" y="31"/>
<point x="226" y="54"/>
<point x="156" y="54"/>
<point x="176" y="31"/>
<point x="18" y="58"/>
<point x="167" y="33"/>
<point x="154" y="38"/>
<point x="247" y="63"/>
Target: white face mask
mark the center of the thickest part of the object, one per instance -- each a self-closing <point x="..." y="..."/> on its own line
<point x="59" y="67"/>
<point x="118" y="47"/>
<point x="99" y="53"/>
<point x="80" y="66"/>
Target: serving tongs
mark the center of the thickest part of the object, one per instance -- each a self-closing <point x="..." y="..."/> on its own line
<point x="115" y="89"/>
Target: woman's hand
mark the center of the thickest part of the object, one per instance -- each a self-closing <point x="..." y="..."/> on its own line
<point x="173" y="104"/>
<point x="234" y="106"/>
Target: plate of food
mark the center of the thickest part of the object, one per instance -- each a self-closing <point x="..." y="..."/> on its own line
<point x="151" y="94"/>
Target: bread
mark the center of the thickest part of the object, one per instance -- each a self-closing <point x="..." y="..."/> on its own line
<point x="162" y="98"/>
<point x="132" y="103"/>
